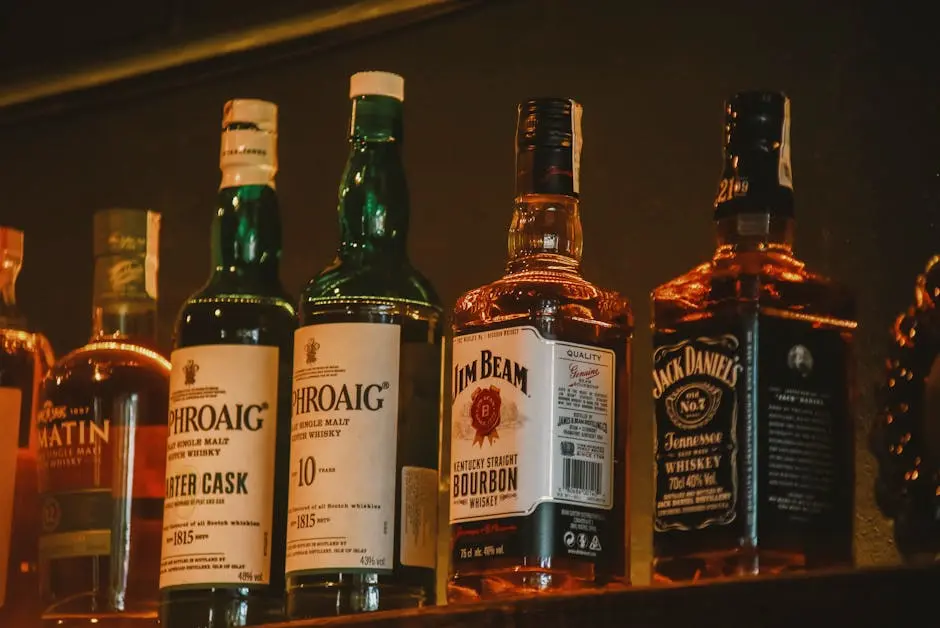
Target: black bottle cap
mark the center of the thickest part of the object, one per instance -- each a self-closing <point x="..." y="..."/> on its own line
<point x="548" y="146"/>
<point x="756" y="120"/>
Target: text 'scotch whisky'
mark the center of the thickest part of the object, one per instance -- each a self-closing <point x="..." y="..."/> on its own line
<point x="540" y="381"/>
<point x="25" y="357"/>
<point x="102" y="443"/>
<point x="906" y="439"/>
<point x="361" y="533"/>
<point x="753" y="381"/>
<point x="229" y="423"/>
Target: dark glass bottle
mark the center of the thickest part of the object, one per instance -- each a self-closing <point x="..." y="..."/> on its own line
<point x="540" y="401"/>
<point x="906" y="439"/>
<point x="25" y="357"/>
<point x="229" y="427"/>
<point x="753" y="378"/>
<point x="102" y="431"/>
<point x="361" y="534"/>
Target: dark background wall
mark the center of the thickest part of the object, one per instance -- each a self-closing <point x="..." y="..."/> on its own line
<point x="652" y="78"/>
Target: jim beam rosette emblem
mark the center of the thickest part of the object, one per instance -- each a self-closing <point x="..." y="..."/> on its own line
<point x="485" y="409"/>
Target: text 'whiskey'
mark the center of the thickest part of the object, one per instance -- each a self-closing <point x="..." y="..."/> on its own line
<point x="539" y="399"/>
<point x="25" y="357"/>
<point x="229" y="406"/>
<point x="101" y="427"/>
<point x="753" y="382"/>
<point x="362" y="521"/>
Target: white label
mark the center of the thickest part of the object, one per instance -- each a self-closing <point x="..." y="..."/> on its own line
<point x="248" y="157"/>
<point x="10" y="403"/>
<point x="344" y="426"/>
<point x="532" y="422"/>
<point x="220" y="466"/>
<point x="418" y="517"/>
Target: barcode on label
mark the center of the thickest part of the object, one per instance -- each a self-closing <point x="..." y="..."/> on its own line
<point x="582" y="474"/>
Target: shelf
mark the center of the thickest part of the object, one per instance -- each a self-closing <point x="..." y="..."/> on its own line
<point x="879" y="598"/>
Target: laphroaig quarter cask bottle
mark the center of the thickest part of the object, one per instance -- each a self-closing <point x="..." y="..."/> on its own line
<point x="540" y="383"/>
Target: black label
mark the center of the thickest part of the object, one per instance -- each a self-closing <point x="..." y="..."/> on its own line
<point x="552" y="530"/>
<point x="695" y="391"/>
<point x="806" y="442"/>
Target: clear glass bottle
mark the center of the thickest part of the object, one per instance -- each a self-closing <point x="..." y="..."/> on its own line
<point x="362" y="517"/>
<point x="229" y="434"/>
<point x="753" y="373"/>
<point x="541" y="376"/>
<point x="25" y="357"/>
<point x="102" y="428"/>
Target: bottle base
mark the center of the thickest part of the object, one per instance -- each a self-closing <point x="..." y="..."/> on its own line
<point x="218" y="608"/>
<point x="735" y="564"/>
<point x="350" y="595"/>
<point x="100" y="620"/>
<point x="518" y="581"/>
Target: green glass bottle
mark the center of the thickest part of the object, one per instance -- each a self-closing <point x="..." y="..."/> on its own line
<point x="229" y="413"/>
<point x="361" y="532"/>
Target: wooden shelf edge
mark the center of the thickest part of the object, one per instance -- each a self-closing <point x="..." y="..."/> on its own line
<point x="879" y="598"/>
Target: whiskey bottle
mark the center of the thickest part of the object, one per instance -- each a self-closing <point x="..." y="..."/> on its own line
<point x="25" y="357"/>
<point x="361" y="534"/>
<point x="541" y="372"/>
<point x="753" y="381"/>
<point x="102" y="443"/>
<point x="906" y="439"/>
<point x="229" y="428"/>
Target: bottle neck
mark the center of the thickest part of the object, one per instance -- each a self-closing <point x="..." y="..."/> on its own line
<point x="124" y="306"/>
<point x="545" y="233"/>
<point x="10" y="317"/>
<point x="754" y="233"/>
<point x="246" y="236"/>
<point x="373" y="194"/>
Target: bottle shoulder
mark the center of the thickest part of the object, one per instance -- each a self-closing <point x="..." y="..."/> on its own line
<point x="533" y="297"/>
<point x="349" y="282"/>
<point x="212" y="317"/>
<point x="101" y="362"/>
<point x="770" y="281"/>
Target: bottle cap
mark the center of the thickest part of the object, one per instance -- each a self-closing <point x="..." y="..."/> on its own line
<point x="756" y="120"/>
<point x="377" y="84"/>
<point x="548" y="146"/>
<point x="11" y="246"/>
<point x="250" y="111"/>
<point x="549" y="122"/>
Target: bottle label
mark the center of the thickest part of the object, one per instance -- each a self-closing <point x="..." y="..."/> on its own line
<point x="418" y="525"/>
<point x="344" y="428"/>
<point x="220" y="466"/>
<point x="532" y="433"/>
<point x="753" y="429"/>
<point x="695" y="392"/>
<point x="248" y="157"/>
<point x="10" y="405"/>
<point x="784" y="169"/>
<point x="76" y="461"/>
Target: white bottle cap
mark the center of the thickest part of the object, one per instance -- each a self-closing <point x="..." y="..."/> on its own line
<point x="261" y="113"/>
<point x="377" y="84"/>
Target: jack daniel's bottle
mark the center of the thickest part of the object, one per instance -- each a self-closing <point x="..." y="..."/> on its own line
<point x="102" y="425"/>
<point x="753" y="381"/>
<point x="361" y="532"/>
<point x="540" y="368"/>
<point x="229" y="427"/>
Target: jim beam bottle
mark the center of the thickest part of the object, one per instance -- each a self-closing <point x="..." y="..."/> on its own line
<point x="102" y="428"/>
<point x="229" y="422"/>
<point x="25" y="357"/>
<point x="540" y="382"/>
<point x="753" y="381"/>
<point x="362" y="522"/>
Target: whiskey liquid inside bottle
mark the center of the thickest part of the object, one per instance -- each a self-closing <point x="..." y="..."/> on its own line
<point x="25" y="357"/>
<point x="538" y="474"/>
<point x="367" y="366"/>
<point x="102" y="444"/>
<point x="753" y="382"/>
<point x="232" y="349"/>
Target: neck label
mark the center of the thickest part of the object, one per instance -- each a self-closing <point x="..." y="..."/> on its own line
<point x="248" y="157"/>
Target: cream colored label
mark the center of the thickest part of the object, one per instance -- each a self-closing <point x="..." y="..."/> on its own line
<point x="10" y="404"/>
<point x="532" y="422"/>
<point x="784" y="169"/>
<point x="344" y="427"/>
<point x="220" y="466"/>
<point x="418" y="523"/>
